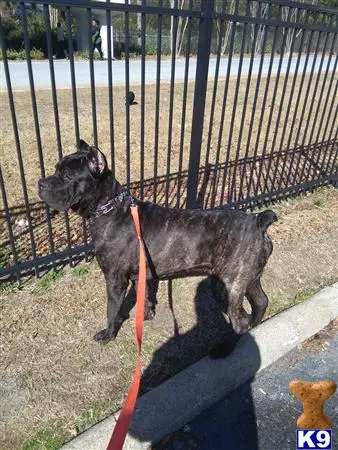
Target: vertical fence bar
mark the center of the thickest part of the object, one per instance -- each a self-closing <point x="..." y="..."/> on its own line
<point x="303" y="112"/>
<point x="246" y="97"/>
<point x="55" y="106"/>
<point x="110" y="90"/>
<point x="157" y="102"/>
<point x="18" y="146"/>
<point x="126" y="30"/>
<point x="233" y="116"/>
<point x="328" y="117"/>
<point x="334" y="151"/>
<point x="273" y="104"/>
<point x="36" y="120"/>
<point x="274" y="177"/>
<point x="295" y="112"/>
<point x="171" y="102"/>
<point x="72" y="74"/>
<point x="323" y="84"/>
<point x="52" y="79"/>
<point x="254" y="159"/>
<point x="225" y="97"/>
<point x="143" y="80"/>
<point x="327" y="141"/>
<point x="288" y="109"/>
<point x="214" y="92"/>
<point x="74" y="96"/>
<point x="327" y="94"/>
<point x="203" y="52"/>
<point x="184" y="106"/>
<point x="9" y="225"/>
<point x="253" y="111"/>
<point x="314" y="96"/>
<point x="92" y="75"/>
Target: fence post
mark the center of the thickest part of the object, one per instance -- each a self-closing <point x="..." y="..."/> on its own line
<point x="202" y="67"/>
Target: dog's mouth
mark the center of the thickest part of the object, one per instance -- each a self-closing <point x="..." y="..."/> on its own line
<point x="47" y="193"/>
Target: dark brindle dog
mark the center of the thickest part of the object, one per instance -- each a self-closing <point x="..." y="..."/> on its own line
<point x="229" y="245"/>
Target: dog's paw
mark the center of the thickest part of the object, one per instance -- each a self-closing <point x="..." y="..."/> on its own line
<point x="241" y="326"/>
<point x="105" y="335"/>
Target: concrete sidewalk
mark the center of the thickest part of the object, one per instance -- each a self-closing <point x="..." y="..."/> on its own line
<point x="183" y="397"/>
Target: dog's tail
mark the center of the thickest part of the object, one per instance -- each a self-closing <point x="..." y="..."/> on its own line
<point x="265" y="219"/>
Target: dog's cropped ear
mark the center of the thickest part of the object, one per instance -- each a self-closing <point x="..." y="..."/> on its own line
<point x="97" y="162"/>
<point x="83" y="146"/>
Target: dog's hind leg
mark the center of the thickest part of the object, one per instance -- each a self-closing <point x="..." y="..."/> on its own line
<point x="240" y="319"/>
<point x="116" y="291"/>
<point x="258" y="301"/>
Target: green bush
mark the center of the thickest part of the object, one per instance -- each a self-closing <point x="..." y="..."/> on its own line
<point x="151" y="49"/>
<point x="85" y="55"/>
<point x="36" y="53"/>
<point x="21" y="54"/>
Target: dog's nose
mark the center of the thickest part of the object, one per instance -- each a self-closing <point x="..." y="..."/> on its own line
<point x="43" y="185"/>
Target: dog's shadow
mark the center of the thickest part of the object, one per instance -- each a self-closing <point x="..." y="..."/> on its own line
<point x="213" y="336"/>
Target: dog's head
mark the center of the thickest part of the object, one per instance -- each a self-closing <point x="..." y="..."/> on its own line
<point x="75" y="179"/>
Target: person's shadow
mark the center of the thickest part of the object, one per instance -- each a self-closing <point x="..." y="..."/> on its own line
<point x="212" y="336"/>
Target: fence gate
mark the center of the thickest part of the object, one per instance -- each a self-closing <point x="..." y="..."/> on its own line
<point x="235" y="104"/>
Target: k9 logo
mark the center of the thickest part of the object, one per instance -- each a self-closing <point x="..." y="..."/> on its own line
<point x="314" y="439"/>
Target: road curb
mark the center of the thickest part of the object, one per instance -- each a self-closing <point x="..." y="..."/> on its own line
<point x="184" y="396"/>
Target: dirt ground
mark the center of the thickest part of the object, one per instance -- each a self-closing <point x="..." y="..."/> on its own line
<point x="56" y="381"/>
<point x="166" y="159"/>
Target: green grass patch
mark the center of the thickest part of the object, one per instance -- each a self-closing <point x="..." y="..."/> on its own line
<point x="46" y="282"/>
<point x="94" y="415"/>
<point x="47" y="439"/>
<point x="5" y="256"/>
<point x="80" y="271"/>
<point x="303" y="295"/>
<point x="8" y="287"/>
<point x="320" y="202"/>
<point x="277" y="305"/>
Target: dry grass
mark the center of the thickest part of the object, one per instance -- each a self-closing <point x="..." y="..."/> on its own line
<point x="55" y="377"/>
<point x="47" y="127"/>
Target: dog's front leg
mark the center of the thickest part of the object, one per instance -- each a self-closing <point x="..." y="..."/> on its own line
<point x="116" y="291"/>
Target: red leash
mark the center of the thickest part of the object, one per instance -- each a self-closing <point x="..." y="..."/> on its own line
<point x="122" y="424"/>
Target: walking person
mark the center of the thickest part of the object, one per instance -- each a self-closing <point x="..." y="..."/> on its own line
<point x="96" y="37"/>
<point x="61" y="51"/>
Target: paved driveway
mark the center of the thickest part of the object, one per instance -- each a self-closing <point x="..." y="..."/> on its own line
<point x="19" y="73"/>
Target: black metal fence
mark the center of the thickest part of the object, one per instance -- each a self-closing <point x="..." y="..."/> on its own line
<point x="246" y="116"/>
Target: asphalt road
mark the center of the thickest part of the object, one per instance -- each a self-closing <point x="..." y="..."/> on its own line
<point x="20" y="81"/>
<point x="262" y="414"/>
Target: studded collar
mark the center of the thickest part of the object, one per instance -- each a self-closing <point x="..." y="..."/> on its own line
<point x="111" y="205"/>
